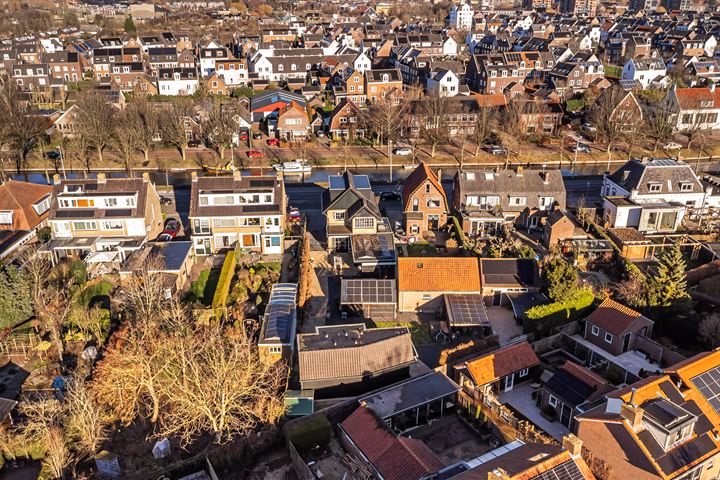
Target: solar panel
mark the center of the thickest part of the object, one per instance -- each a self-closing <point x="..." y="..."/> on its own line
<point x="337" y="182"/>
<point x="367" y="291"/>
<point x="74" y="213"/>
<point x="262" y="183"/>
<point x="466" y="310"/>
<point x="123" y="212"/>
<point x="709" y="385"/>
<point x="362" y="182"/>
<point x="565" y="471"/>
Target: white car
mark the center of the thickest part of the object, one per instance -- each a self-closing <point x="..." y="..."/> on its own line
<point x="588" y="127"/>
<point x="672" y="146"/>
<point x="402" y="151"/>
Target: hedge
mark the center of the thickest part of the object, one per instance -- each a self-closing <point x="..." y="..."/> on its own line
<point x="311" y="433"/>
<point x="459" y="230"/>
<point x="540" y="319"/>
<point x="224" y="281"/>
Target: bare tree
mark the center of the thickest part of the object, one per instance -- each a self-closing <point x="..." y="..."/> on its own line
<point x="221" y="127"/>
<point x="386" y="118"/>
<point x="433" y="112"/>
<point x="96" y="121"/>
<point x="143" y="123"/>
<point x="145" y="291"/>
<point x="172" y="126"/>
<point x="511" y="127"/>
<point x="610" y="128"/>
<point x="55" y="306"/>
<point x="21" y="129"/>
<point x="657" y="125"/>
<point x="124" y="141"/>
<point x="709" y="330"/>
<point x="486" y="122"/>
<point x="87" y="423"/>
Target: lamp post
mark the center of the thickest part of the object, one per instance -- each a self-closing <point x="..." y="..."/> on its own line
<point x="390" y="157"/>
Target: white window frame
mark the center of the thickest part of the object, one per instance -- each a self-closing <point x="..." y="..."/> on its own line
<point x="275" y="349"/>
<point x="524" y="372"/>
<point x="337" y="216"/>
<point x="362" y="222"/>
<point x="6" y="217"/>
<point x="610" y="335"/>
<point x="552" y="401"/>
<point x="595" y="330"/>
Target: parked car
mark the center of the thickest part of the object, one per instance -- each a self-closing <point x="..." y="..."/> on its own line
<point x="581" y="148"/>
<point x="588" y="127"/>
<point x="53" y="155"/>
<point x="255" y="154"/>
<point x="194" y="143"/>
<point x="243" y="135"/>
<point x="172" y="227"/>
<point x="672" y="146"/>
<point x="165" y="237"/>
<point x="273" y="141"/>
<point x="389" y="195"/>
<point x="165" y="200"/>
<point x="257" y="135"/>
<point x="496" y="150"/>
<point x="402" y="151"/>
<point x="294" y="214"/>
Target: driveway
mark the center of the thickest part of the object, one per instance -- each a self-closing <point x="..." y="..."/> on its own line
<point x="503" y="323"/>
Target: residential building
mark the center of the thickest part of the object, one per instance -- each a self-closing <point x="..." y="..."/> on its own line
<point x="347" y="360"/>
<point x="645" y="71"/>
<point x="623" y="106"/>
<point x="443" y="82"/>
<point x="423" y="281"/>
<point x="383" y="82"/>
<point x="695" y="108"/>
<point x="584" y="8"/>
<point x="663" y="426"/>
<point x="102" y="220"/>
<point x="209" y="55"/>
<point x="24" y="209"/>
<point x="268" y="103"/>
<point x="293" y="122"/>
<point x="496" y="372"/>
<point x="162" y="57"/>
<point x="216" y="85"/>
<point x="558" y="227"/>
<point x="613" y="327"/>
<point x="234" y="72"/>
<point x="345" y="120"/>
<point x="177" y="81"/>
<point x="424" y="202"/>
<point x="30" y="76"/>
<point x="65" y="65"/>
<point x="237" y="211"/>
<point x="502" y="277"/>
<point x="461" y="16"/>
<point x="124" y="75"/>
<point x="279" y="325"/>
<point x="571" y="390"/>
<point x="484" y="199"/>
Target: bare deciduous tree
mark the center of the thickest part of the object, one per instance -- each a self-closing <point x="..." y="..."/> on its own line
<point x="386" y="118"/>
<point x="603" y="115"/>
<point x="124" y="142"/>
<point x="486" y="121"/>
<point x="87" y="423"/>
<point x="145" y="292"/>
<point x="21" y="129"/>
<point x="657" y="125"/>
<point x="709" y="330"/>
<point x="221" y="127"/>
<point x="172" y="126"/>
<point x="96" y="121"/>
<point x="433" y="113"/>
<point x="144" y="125"/>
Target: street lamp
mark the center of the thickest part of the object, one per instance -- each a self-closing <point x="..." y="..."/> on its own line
<point x="390" y="157"/>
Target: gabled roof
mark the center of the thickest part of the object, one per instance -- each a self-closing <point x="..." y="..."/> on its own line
<point x="438" y="274"/>
<point x="638" y="175"/>
<point x="615" y="317"/>
<point x="493" y="366"/>
<point x="395" y="458"/>
<point x="19" y="197"/>
<point x="575" y="384"/>
<point x="417" y="179"/>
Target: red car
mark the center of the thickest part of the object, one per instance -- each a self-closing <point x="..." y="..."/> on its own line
<point x="273" y="141"/>
<point x="255" y="154"/>
<point x="243" y="135"/>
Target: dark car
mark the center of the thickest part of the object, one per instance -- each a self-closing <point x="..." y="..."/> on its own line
<point x="389" y="195"/>
<point x="194" y="143"/>
<point x="53" y="155"/>
<point x="581" y="148"/>
<point x="165" y="200"/>
<point x="497" y="150"/>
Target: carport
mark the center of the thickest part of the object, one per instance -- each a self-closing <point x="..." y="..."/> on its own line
<point x="369" y="296"/>
<point x="466" y="313"/>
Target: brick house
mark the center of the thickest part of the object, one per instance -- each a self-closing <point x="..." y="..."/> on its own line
<point x="292" y="121"/>
<point x="626" y="110"/>
<point x="216" y="85"/>
<point x="558" y="227"/>
<point x="344" y="120"/>
<point x="64" y="65"/>
<point x="381" y="83"/>
<point x="613" y="326"/>
<point x="424" y="202"/>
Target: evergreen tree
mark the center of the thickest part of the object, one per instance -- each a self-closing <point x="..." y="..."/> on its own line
<point x="130" y="25"/>
<point x="670" y="284"/>
<point x="561" y="279"/>
<point x="15" y="297"/>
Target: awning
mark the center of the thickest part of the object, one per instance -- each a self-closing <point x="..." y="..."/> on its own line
<point x="104" y="256"/>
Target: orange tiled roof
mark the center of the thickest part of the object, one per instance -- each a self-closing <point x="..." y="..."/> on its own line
<point x="438" y="274"/>
<point x="612" y="316"/>
<point x="587" y="376"/>
<point x="493" y="366"/>
<point x="417" y="179"/>
<point x="692" y="98"/>
<point x="19" y="198"/>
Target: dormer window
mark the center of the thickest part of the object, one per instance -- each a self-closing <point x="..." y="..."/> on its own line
<point x="386" y="78"/>
<point x="686" y="187"/>
<point x="6" y="217"/>
<point x="654" y="187"/>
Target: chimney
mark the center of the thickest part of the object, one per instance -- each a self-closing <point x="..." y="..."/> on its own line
<point x="633" y="415"/>
<point x="498" y="474"/>
<point x="146" y="177"/>
<point x="237" y="175"/>
<point x="101" y="178"/>
<point x="573" y="445"/>
<point x="56" y="179"/>
<point x="193" y="176"/>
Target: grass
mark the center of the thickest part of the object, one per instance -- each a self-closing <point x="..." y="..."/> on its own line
<point x="96" y="293"/>
<point x="421" y="249"/>
<point x="613" y="71"/>
<point x="203" y="289"/>
<point x="419" y="332"/>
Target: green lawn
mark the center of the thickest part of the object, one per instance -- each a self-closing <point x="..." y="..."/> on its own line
<point x="613" y="71"/>
<point x="203" y="289"/>
<point x="421" y="249"/>
<point x="96" y="293"/>
<point x="419" y="332"/>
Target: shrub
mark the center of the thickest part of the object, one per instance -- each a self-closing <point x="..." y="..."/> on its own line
<point x="44" y="235"/>
<point x="451" y="243"/>
<point x="458" y="230"/>
<point x="540" y="319"/>
<point x="224" y="281"/>
<point x="311" y="433"/>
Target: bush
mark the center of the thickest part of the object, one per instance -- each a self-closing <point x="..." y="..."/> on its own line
<point x="574" y="105"/>
<point x="44" y="235"/>
<point x="540" y="319"/>
<point x="311" y="433"/>
<point x="458" y="230"/>
<point x="224" y="281"/>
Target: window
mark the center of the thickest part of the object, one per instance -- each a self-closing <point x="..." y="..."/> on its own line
<point x="686" y="187"/>
<point x="6" y="217"/>
<point x="112" y="224"/>
<point x="111" y="202"/>
<point x="595" y="330"/>
<point x="426" y="296"/>
<point x="85" y="225"/>
<point x="546" y="201"/>
<point x="427" y="187"/>
<point x="224" y="222"/>
<point x="201" y="226"/>
<point x="415" y="228"/>
<point x="552" y="401"/>
<point x="338" y="216"/>
<point x="275" y="241"/>
<point x="609" y="337"/>
<point x="43" y="206"/>
<point x="517" y="200"/>
<point x="654" y="187"/>
<point x="524" y="372"/>
<point x="364" y="222"/>
<point x="275" y="350"/>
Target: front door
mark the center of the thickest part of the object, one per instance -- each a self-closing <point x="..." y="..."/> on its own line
<point x="509" y="382"/>
<point x="433" y="222"/>
<point x="533" y="222"/>
<point x="565" y="415"/>
<point x="626" y="343"/>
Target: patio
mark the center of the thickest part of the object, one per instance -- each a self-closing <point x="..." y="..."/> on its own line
<point x="502" y="321"/>
<point x="520" y="398"/>
<point x="631" y="361"/>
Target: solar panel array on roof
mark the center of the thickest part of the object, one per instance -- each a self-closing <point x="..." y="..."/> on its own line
<point x="123" y="212"/>
<point x="466" y="310"/>
<point x="262" y="183"/>
<point x="367" y="291"/>
<point x="337" y="182"/>
<point x="74" y="214"/>
<point x="565" y="471"/>
<point x="362" y="182"/>
<point x="709" y="385"/>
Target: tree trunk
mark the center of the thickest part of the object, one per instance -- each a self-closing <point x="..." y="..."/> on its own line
<point x="432" y="152"/>
<point x="222" y="152"/>
<point x="100" y="155"/>
<point x="182" y="154"/>
<point x="146" y="154"/>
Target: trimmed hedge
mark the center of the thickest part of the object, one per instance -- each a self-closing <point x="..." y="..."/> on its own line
<point x="459" y="230"/>
<point x="311" y="433"/>
<point x="223" y="286"/>
<point x="540" y="319"/>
